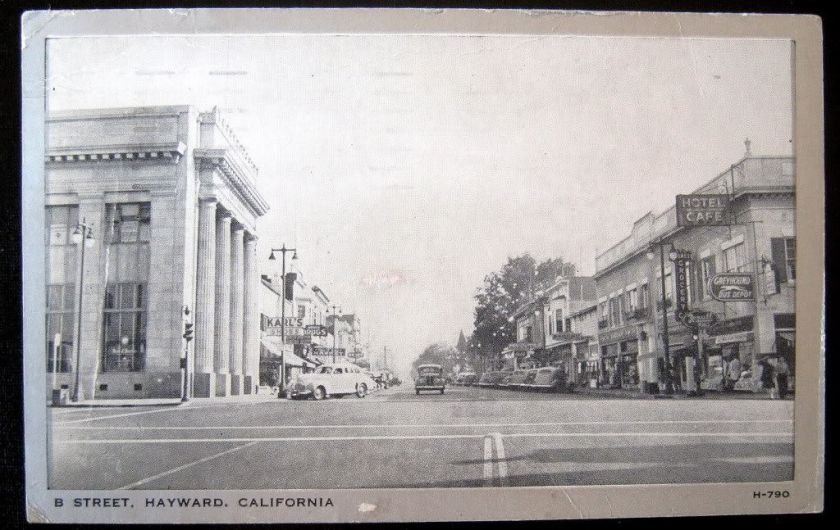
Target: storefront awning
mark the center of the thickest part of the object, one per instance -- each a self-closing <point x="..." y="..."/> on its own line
<point x="290" y="358"/>
<point x="519" y="348"/>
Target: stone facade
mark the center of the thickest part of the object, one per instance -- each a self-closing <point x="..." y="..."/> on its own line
<point x="158" y="187"/>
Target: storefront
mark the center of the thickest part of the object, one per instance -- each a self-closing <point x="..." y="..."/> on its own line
<point x="619" y="357"/>
<point x="272" y="355"/>
<point x="726" y="341"/>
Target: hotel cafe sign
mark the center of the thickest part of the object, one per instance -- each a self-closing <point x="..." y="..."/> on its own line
<point x="703" y="210"/>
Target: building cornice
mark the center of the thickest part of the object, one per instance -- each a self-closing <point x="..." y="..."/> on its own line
<point x="158" y="152"/>
<point x="236" y="177"/>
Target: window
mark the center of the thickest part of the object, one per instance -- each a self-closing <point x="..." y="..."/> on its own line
<point x="615" y="311"/>
<point x="301" y="311"/>
<point x="528" y="333"/>
<point x="707" y="270"/>
<point x="632" y="299"/>
<point x="790" y="257"/>
<point x="644" y="295"/>
<point x="669" y="287"/>
<point x="558" y="321"/>
<point x="784" y="257"/>
<point x="735" y="259"/>
<point x="124" y="318"/>
<point x="61" y="276"/>
<point x="130" y="223"/>
<point x="124" y="327"/>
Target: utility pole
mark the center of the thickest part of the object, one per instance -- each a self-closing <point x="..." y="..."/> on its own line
<point x="385" y="355"/>
<point x="336" y="310"/>
<point x="283" y="251"/>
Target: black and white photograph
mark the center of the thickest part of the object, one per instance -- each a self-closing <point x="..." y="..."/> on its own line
<point x="274" y="268"/>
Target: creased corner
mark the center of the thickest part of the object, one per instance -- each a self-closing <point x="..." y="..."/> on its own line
<point x="35" y="515"/>
<point x="33" y="22"/>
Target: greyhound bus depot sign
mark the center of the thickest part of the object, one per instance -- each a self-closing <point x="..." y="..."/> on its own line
<point x="732" y="287"/>
<point x="703" y="210"/>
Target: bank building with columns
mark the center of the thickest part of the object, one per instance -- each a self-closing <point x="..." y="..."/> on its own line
<point x="150" y="225"/>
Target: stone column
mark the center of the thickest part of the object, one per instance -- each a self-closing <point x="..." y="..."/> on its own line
<point x="204" y="381"/>
<point x="251" y="323"/>
<point x="222" y="345"/>
<point x="237" y="317"/>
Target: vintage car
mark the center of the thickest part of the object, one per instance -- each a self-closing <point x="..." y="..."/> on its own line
<point x="517" y="379"/>
<point x="549" y="380"/>
<point x="429" y="377"/>
<point x="492" y="379"/>
<point x="331" y="380"/>
<point x="466" y="378"/>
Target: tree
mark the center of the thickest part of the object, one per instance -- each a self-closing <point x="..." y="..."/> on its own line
<point x="437" y="353"/>
<point x="506" y="290"/>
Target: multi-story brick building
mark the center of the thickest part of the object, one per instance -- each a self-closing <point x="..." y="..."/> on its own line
<point x="760" y="242"/>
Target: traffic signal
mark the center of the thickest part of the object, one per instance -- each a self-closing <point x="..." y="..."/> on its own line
<point x="188" y="331"/>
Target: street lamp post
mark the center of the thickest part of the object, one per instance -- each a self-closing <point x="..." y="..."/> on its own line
<point x="336" y="311"/>
<point x="82" y="236"/>
<point x="669" y="383"/>
<point x="188" y="336"/>
<point x="271" y="257"/>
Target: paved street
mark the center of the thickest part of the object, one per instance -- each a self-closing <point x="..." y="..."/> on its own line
<point x="468" y="437"/>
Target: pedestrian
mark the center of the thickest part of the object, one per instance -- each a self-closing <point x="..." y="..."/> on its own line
<point x="767" y="379"/>
<point x="782" y="373"/>
<point x="733" y="372"/>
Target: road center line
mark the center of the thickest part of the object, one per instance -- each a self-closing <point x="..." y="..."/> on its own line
<point x="488" y="461"/>
<point x="501" y="459"/>
<point x="423" y="437"/>
<point x="185" y="466"/>
<point x="405" y="425"/>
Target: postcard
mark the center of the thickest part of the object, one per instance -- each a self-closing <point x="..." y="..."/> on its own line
<point x="371" y="265"/>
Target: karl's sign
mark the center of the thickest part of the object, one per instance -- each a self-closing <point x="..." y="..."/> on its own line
<point x="732" y="287"/>
<point x="703" y="210"/>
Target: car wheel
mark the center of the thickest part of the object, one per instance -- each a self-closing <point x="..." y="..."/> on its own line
<point x="417" y="392"/>
<point x="361" y="390"/>
<point x="319" y="393"/>
<point x="441" y="391"/>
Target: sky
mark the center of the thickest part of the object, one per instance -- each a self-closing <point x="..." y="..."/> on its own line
<point x="404" y="168"/>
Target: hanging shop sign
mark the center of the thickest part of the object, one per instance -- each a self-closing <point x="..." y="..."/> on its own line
<point x="732" y="287"/>
<point x="698" y="319"/>
<point x="732" y="325"/>
<point x="618" y="335"/>
<point x="324" y="351"/>
<point x="681" y="275"/>
<point x="703" y="210"/>
<point x="743" y="336"/>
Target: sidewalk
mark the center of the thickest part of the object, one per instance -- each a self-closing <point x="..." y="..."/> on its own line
<point x="621" y="393"/>
<point x="166" y="402"/>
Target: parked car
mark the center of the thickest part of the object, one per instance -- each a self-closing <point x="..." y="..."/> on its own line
<point x="530" y="376"/>
<point x="466" y="379"/>
<point x="373" y="385"/>
<point x="504" y="380"/>
<point x="430" y="377"/>
<point x="517" y="379"/>
<point x="550" y="380"/>
<point x="493" y="379"/>
<point x="331" y="380"/>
